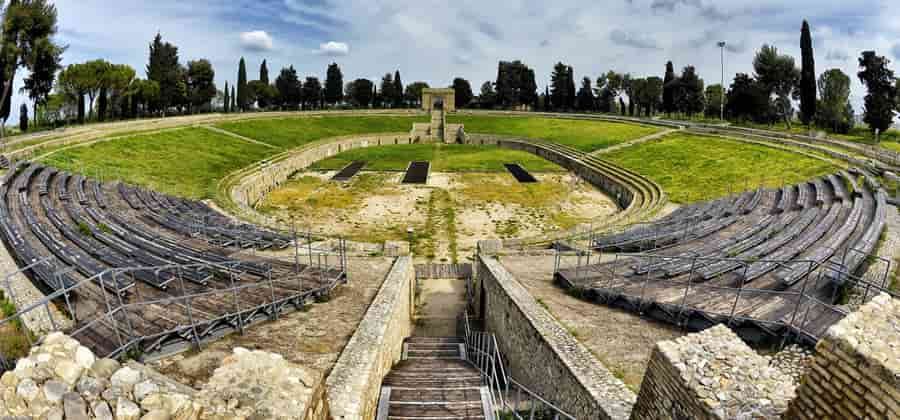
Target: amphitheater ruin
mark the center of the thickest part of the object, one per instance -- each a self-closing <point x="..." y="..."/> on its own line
<point x="767" y="303"/>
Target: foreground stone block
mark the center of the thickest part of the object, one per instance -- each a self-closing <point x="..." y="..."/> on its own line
<point x="856" y="369"/>
<point x="711" y="375"/>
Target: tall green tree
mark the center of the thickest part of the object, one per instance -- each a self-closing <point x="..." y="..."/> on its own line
<point x="362" y="92"/>
<point x="487" y="97"/>
<point x="669" y="89"/>
<point x="778" y="74"/>
<point x="515" y="85"/>
<point x="713" y="96"/>
<point x="46" y="59"/>
<point x="585" y="96"/>
<point x="28" y="28"/>
<point x="288" y="85"/>
<point x="334" y="84"/>
<point x="201" y="84"/>
<point x="807" y="76"/>
<point x="834" y="102"/>
<point x="399" y="101"/>
<point x="414" y="92"/>
<point x="747" y="99"/>
<point x="226" y="103"/>
<point x="264" y="72"/>
<point x="880" y="101"/>
<point x="243" y="94"/>
<point x="571" y="87"/>
<point x="23" y="118"/>
<point x="164" y="69"/>
<point x="688" y="92"/>
<point x="462" y="92"/>
<point x="312" y="93"/>
<point x="559" y="86"/>
<point x="233" y="105"/>
<point x="387" y="90"/>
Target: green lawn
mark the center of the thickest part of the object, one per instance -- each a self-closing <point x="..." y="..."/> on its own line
<point x="694" y="168"/>
<point x="186" y="162"/>
<point x="443" y="157"/>
<point x="288" y="133"/>
<point x="580" y="134"/>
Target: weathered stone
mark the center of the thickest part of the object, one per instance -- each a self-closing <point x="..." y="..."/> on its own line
<point x="142" y="389"/>
<point x="90" y="388"/>
<point x="127" y="410"/>
<point x="125" y="378"/>
<point x="104" y="368"/>
<point x="157" y="415"/>
<point x="9" y="380"/>
<point x="68" y="371"/>
<point x="27" y="390"/>
<point x="101" y="411"/>
<point x="74" y="407"/>
<point x="84" y="357"/>
<point x="170" y="402"/>
<point x="54" y="391"/>
<point x="55" y="413"/>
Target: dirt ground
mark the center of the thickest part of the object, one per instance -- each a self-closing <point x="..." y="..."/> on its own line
<point x="448" y="215"/>
<point x="313" y="339"/>
<point x="620" y="340"/>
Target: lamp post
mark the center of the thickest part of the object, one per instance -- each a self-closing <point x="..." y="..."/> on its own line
<point x="722" y="99"/>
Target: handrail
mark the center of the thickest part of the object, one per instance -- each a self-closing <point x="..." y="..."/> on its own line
<point x="483" y="352"/>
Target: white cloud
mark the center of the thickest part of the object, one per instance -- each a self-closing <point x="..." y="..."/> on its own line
<point x="256" y="41"/>
<point x="333" y="49"/>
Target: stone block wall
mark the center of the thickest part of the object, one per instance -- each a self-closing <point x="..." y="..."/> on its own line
<point x="354" y="384"/>
<point x="254" y="185"/>
<point x="856" y="369"/>
<point x="618" y="191"/>
<point x="711" y="375"/>
<point x="542" y="355"/>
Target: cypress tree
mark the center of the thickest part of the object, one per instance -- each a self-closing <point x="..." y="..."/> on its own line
<point x="242" y="100"/>
<point x="669" y="89"/>
<point x="23" y="118"/>
<point x="398" y="90"/>
<point x="227" y="105"/>
<point x="807" y="77"/>
<point x="570" y="95"/>
<point x="264" y="73"/>
<point x="233" y="106"/>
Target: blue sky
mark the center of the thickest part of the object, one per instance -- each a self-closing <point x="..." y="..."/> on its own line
<point x="435" y="41"/>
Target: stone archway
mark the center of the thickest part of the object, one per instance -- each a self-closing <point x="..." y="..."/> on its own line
<point x="432" y="97"/>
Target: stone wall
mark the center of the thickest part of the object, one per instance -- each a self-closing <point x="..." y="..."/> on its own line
<point x="262" y="178"/>
<point x="618" y="191"/>
<point x="354" y="384"/>
<point x="711" y="375"/>
<point x="63" y="379"/>
<point x="542" y="355"/>
<point x="856" y="369"/>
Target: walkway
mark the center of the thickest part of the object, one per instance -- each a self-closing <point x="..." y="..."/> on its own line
<point x="434" y="381"/>
<point x="634" y="142"/>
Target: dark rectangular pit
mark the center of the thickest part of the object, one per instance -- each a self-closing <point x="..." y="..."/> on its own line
<point x="520" y="173"/>
<point x="349" y="171"/>
<point x="417" y="172"/>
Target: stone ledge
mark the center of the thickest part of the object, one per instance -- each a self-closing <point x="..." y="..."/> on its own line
<point x="543" y="355"/>
<point x="353" y="386"/>
<point x="711" y="375"/>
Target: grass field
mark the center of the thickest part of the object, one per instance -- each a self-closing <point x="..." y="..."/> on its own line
<point x="288" y="133"/>
<point x="443" y="158"/>
<point x="583" y="135"/>
<point x="186" y="162"/>
<point x="694" y="168"/>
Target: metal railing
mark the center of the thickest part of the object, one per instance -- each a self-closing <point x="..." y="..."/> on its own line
<point x="808" y="307"/>
<point x="509" y="398"/>
<point x="105" y="317"/>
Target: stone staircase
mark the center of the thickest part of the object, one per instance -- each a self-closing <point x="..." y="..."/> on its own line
<point x="434" y="381"/>
<point x="438" y="120"/>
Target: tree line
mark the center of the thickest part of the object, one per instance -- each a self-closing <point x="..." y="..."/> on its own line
<point x="98" y="90"/>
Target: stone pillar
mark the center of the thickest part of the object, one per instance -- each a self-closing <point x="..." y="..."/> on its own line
<point x="711" y="375"/>
<point x="856" y="369"/>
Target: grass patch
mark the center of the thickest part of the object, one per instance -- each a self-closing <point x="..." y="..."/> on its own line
<point x="443" y="158"/>
<point x="581" y="134"/>
<point x="695" y="168"/>
<point x="13" y="335"/>
<point x="288" y="133"/>
<point x="185" y="162"/>
<point x="538" y="194"/>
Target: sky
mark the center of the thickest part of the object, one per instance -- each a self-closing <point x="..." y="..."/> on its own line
<point x="435" y="41"/>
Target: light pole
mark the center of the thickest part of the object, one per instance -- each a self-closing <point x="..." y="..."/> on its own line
<point x="722" y="99"/>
